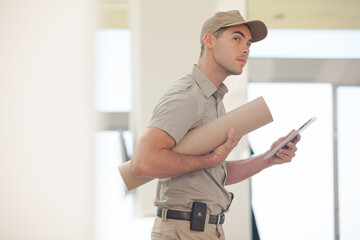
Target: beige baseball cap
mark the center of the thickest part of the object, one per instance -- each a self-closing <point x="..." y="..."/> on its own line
<point x="232" y="18"/>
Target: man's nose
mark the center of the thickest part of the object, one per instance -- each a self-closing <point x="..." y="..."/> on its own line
<point x="246" y="50"/>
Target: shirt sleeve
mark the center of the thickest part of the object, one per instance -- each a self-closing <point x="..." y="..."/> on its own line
<point x="176" y="115"/>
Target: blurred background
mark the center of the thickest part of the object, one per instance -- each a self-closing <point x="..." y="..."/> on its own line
<point x="78" y="83"/>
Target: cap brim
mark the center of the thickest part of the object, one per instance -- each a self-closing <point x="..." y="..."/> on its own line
<point x="257" y="28"/>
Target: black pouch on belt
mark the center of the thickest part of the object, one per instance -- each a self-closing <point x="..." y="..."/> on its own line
<point x="198" y="215"/>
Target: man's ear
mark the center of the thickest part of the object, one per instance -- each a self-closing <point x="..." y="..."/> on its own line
<point x="209" y="40"/>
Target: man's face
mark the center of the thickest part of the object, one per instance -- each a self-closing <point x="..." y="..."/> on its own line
<point x="231" y="49"/>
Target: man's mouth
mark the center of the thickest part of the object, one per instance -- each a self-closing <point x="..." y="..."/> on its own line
<point x="241" y="60"/>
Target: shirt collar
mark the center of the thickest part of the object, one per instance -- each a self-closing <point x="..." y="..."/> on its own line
<point x="207" y="86"/>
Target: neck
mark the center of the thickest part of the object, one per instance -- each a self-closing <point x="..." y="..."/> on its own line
<point x="212" y="71"/>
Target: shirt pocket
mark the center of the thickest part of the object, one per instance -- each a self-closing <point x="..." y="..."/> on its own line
<point x="210" y="112"/>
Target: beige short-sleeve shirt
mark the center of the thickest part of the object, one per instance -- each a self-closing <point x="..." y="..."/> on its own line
<point x="192" y="101"/>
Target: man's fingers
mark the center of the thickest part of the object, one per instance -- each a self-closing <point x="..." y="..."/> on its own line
<point x="287" y="153"/>
<point x="231" y="138"/>
<point x="291" y="146"/>
<point x="284" y="157"/>
<point x="283" y="138"/>
<point x="231" y="134"/>
<point x="296" y="139"/>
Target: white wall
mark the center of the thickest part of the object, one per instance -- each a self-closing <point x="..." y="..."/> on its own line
<point x="46" y="119"/>
<point x="165" y="46"/>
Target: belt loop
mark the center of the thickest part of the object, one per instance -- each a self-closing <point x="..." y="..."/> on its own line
<point x="164" y="214"/>
<point x="221" y="218"/>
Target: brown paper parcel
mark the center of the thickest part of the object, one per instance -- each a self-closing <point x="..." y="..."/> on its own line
<point x="207" y="137"/>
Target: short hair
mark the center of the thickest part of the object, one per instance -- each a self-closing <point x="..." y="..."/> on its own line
<point x="216" y="34"/>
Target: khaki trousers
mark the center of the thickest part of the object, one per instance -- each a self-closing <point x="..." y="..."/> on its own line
<point x="171" y="229"/>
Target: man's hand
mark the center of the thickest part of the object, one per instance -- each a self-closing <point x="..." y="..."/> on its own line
<point x="286" y="153"/>
<point x="221" y="152"/>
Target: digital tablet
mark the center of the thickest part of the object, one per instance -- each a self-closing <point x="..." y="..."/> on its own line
<point x="290" y="138"/>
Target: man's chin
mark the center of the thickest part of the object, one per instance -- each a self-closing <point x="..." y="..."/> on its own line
<point x="237" y="72"/>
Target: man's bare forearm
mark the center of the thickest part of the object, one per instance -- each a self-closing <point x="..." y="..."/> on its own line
<point x="167" y="163"/>
<point x="240" y="170"/>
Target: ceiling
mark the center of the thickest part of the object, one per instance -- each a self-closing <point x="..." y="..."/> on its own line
<point x="277" y="14"/>
<point x="306" y="14"/>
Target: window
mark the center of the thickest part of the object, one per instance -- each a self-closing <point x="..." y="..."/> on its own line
<point x="113" y="70"/>
<point x="302" y="70"/>
<point x="295" y="201"/>
<point x="348" y="118"/>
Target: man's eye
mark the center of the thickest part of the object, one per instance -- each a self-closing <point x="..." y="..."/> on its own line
<point x="237" y="39"/>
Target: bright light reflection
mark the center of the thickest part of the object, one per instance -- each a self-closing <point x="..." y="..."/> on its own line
<point x="295" y="201"/>
<point x="309" y="43"/>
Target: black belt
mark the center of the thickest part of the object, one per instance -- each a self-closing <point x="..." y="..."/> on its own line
<point x="180" y="215"/>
